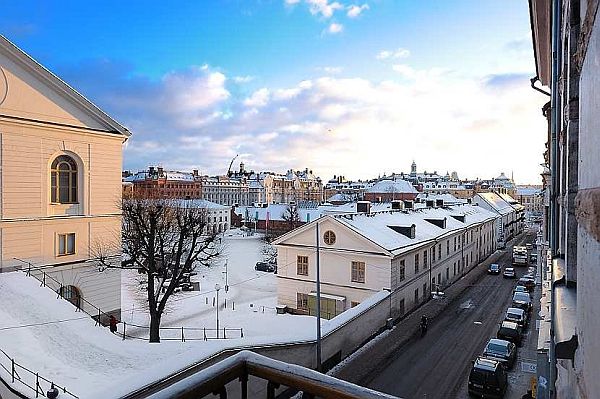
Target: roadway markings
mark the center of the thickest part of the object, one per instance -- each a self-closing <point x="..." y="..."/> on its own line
<point x="468" y="304"/>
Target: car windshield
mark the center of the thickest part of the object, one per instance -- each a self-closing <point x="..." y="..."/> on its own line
<point x="495" y="349"/>
<point x="513" y="316"/>
<point x="521" y="296"/>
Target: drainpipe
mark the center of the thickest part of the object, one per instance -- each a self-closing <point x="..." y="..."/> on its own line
<point x="555" y="126"/>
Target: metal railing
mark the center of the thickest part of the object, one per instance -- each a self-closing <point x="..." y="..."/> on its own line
<point x="30" y="379"/>
<point x="214" y="379"/>
<point x="171" y="333"/>
<point x="181" y="333"/>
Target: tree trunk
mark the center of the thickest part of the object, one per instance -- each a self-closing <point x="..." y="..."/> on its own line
<point x="154" y="327"/>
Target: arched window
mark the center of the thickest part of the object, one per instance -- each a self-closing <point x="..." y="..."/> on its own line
<point x="63" y="180"/>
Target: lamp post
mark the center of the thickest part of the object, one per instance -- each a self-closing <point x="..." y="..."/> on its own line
<point x="318" y="303"/>
<point x="217" y="288"/>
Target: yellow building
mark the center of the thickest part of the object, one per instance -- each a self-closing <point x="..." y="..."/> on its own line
<point x="60" y="183"/>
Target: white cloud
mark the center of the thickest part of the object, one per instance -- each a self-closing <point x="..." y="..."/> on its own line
<point x="393" y="54"/>
<point x="355" y="10"/>
<point x="258" y="99"/>
<point x="291" y="2"/>
<point x="323" y="7"/>
<point x="243" y="79"/>
<point x="335" y="28"/>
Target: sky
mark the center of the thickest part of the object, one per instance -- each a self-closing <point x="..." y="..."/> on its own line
<point x="352" y="88"/>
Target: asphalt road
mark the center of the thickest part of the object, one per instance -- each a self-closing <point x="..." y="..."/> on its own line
<point x="438" y="365"/>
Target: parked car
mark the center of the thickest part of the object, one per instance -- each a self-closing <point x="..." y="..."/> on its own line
<point x="504" y="351"/>
<point x="527" y="282"/>
<point x="494" y="268"/>
<point x="509" y="272"/>
<point x="520" y="288"/>
<point x="529" y="246"/>
<point x="522" y="301"/>
<point x="510" y="331"/>
<point x="487" y="378"/>
<point x="265" y="267"/>
<point x="517" y="315"/>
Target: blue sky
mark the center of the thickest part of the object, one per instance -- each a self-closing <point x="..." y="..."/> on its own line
<point x="342" y="87"/>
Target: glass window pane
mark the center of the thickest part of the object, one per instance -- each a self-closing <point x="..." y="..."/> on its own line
<point x="61" y="244"/>
<point x="71" y="243"/>
<point x="63" y="179"/>
<point x="74" y="194"/>
<point x="63" y="194"/>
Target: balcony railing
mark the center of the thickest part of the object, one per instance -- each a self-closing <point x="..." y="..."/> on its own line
<point x="213" y="380"/>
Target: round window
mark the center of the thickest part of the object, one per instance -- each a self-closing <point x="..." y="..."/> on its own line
<point x="329" y="237"/>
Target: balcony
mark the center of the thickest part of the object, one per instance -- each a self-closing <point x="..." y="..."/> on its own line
<point x="216" y="379"/>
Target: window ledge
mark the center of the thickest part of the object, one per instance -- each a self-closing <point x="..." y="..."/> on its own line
<point x="565" y="320"/>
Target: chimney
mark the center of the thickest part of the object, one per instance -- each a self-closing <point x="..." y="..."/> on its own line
<point x="363" y="207"/>
<point x="397" y="205"/>
<point x="439" y="203"/>
<point x="195" y="172"/>
<point x="160" y="170"/>
<point x="429" y="203"/>
<point x="469" y="200"/>
<point x="408" y="205"/>
<point x="151" y="170"/>
<point x="408" y="231"/>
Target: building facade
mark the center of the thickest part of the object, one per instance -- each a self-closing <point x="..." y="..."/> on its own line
<point x="410" y="252"/>
<point x="60" y="175"/>
<point x="155" y="182"/>
<point x="566" y="42"/>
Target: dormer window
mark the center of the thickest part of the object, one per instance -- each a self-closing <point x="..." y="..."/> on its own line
<point x="63" y="180"/>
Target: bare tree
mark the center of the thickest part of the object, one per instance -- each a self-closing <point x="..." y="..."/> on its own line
<point x="164" y="240"/>
<point x="291" y="216"/>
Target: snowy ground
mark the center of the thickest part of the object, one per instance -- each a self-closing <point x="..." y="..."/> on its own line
<point x="248" y="304"/>
<point x="46" y="335"/>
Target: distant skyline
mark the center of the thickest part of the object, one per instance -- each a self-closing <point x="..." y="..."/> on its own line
<point x="347" y="88"/>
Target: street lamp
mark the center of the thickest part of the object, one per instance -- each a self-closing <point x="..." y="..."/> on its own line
<point x="217" y="288"/>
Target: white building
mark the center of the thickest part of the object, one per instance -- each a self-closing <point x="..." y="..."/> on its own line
<point x="405" y="251"/>
<point x="218" y="217"/>
<point x="506" y="224"/>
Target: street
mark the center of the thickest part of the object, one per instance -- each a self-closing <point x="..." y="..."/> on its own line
<point x="438" y="365"/>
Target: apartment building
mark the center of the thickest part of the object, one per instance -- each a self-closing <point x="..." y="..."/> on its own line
<point x="410" y="252"/>
<point x="60" y="179"/>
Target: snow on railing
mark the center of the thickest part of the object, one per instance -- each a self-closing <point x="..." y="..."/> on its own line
<point x="18" y="373"/>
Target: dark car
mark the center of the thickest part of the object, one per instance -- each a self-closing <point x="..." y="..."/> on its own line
<point x="521" y="300"/>
<point x="265" y="267"/>
<point x="487" y="378"/>
<point x="504" y="351"/>
<point x="528" y="282"/>
<point x="532" y="257"/>
<point x="494" y="268"/>
<point x="510" y="331"/>
<point x="509" y="272"/>
<point x="517" y="315"/>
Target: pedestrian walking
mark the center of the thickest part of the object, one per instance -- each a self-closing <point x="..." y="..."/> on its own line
<point x="112" y="323"/>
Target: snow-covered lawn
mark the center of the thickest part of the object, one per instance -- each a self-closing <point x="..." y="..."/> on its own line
<point x="46" y="335"/>
<point x="249" y="302"/>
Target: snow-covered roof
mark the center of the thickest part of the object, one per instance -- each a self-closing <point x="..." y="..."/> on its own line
<point x="392" y="186"/>
<point x="528" y="191"/>
<point x="496" y="202"/>
<point x="200" y="203"/>
<point x="514" y="203"/>
<point x="341" y="197"/>
<point x="376" y="226"/>
<point x="169" y="175"/>
<point x="449" y="199"/>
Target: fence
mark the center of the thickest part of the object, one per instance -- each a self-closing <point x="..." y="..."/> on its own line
<point x="167" y="333"/>
<point x="28" y="378"/>
<point x="182" y="334"/>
